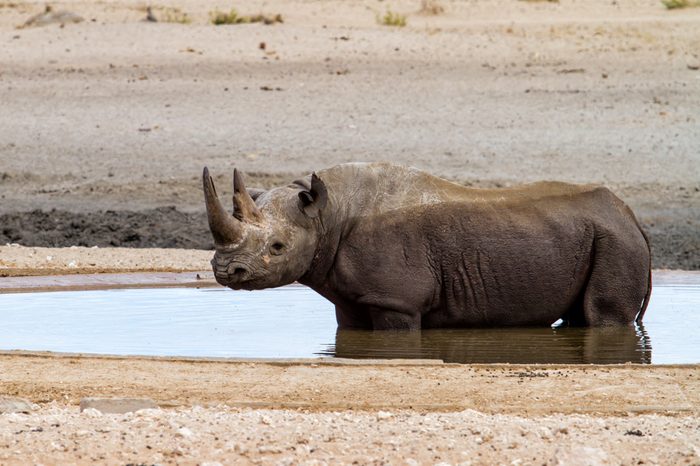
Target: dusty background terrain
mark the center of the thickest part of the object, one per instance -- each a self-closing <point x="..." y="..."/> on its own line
<point x="105" y="126"/>
<point x="110" y="121"/>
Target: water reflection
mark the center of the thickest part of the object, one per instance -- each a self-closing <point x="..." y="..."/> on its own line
<point x="516" y="346"/>
<point x="296" y="322"/>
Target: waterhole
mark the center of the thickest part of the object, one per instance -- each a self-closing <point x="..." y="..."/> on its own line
<point x="295" y="322"/>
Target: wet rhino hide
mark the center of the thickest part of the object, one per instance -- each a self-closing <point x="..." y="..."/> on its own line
<point x="397" y="248"/>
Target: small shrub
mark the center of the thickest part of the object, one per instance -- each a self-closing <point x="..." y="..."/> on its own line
<point x="393" y="19"/>
<point x="220" y="17"/>
<point x="674" y="4"/>
<point x="431" y="7"/>
<point x="232" y="17"/>
<point x="175" y="15"/>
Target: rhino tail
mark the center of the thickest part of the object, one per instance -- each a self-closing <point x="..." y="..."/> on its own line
<point x="645" y="303"/>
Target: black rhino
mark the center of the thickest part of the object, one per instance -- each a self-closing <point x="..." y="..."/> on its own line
<point x="397" y="248"/>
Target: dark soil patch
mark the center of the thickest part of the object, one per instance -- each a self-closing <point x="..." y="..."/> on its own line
<point x="674" y="244"/>
<point x="164" y="227"/>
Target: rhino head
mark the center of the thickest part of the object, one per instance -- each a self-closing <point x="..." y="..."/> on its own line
<point x="271" y="238"/>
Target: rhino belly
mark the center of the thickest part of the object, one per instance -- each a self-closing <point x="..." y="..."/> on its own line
<point x="527" y="281"/>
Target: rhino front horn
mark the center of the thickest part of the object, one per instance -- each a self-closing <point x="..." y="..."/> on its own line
<point x="224" y="228"/>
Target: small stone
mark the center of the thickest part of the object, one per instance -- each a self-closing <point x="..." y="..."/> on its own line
<point x="52" y="17"/>
<point x="57" y="446"/>
<point x="381" y="415"/>
<point x="15" y="405"/>
<point x="117" y="405"/>
<point x="267" y="449"/>
<point x="184" y="432"/>
<point x="580" y="456"/>
<point x="90" y="412"/>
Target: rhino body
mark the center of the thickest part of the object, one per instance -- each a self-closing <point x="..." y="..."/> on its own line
<point x="396" y="248"/>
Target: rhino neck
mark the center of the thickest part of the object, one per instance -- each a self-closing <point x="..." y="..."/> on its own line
<point x="331" y="226"/>
<point x="358" y="192"/>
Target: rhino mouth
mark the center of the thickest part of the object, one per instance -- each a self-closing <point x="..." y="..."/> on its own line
<point x="233" y="275"/>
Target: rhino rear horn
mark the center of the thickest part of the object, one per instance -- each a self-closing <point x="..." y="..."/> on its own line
<point x="224" y="228"/>
<point x="244" y="207"/>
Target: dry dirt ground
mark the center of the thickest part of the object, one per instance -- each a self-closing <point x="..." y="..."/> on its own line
<point x="111" y="120"/>
<point x="371" y="412"/>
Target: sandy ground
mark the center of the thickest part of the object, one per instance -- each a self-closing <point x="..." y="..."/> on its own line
<point x="223" y="435"/>
<point x="111" y="120"/>
<point x="348" y="412"/>
<point x="20" y="261"/>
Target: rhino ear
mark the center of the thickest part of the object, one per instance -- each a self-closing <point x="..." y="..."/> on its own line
<point x="314" y="200"/>
<point x="255" y="193"/>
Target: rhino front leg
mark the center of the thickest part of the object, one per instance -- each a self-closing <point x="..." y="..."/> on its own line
<point x="352" y="318"/>
<point x="388" y="319"/>
<point x="362" y="317"/>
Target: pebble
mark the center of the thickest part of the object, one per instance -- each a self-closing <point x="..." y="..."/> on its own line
<point x="90" y="412"/>
<point x="117" y="405"/>
<point x="580" y="456"/>
<point x="184" y="432"/>
<point x="265" y="449"/>
<point x="15" y="405"/>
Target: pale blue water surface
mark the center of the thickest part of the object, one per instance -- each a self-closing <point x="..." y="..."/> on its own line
<point x="295" y="322"/>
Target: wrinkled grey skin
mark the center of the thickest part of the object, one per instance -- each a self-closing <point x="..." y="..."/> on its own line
<point x="396" y="248"/>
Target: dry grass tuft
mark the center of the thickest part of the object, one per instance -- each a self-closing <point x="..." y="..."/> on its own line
<point x="232" y="17"/>
<point x="391" y="18"/>
<point x="431" y="7"/>
<point x="175" y="15"/>
<point x="676" y="4"/>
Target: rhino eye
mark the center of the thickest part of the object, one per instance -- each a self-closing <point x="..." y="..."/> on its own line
<point x="277" y="248"/>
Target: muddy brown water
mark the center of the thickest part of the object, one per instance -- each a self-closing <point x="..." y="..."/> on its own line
<point x="295" y="322"/>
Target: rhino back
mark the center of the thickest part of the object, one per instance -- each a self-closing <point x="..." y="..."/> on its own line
<point x="372" y="189"/>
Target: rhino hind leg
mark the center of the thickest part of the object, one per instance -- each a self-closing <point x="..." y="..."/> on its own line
<point x="575" y="316"/>
<point x="618" y="281"/>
